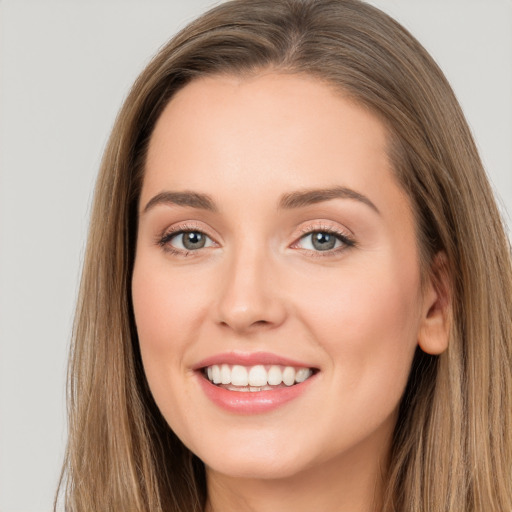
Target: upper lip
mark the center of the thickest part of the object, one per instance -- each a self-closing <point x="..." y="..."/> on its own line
<point x="249" y="359"/>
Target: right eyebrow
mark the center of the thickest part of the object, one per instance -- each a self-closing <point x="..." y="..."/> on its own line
<point x="191" y="199"/>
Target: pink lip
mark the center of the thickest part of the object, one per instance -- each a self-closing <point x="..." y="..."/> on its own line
<point x="251" y="402"/>
<point x="249" y="359"/>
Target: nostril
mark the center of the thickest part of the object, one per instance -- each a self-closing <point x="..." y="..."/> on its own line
<point x="250" y="326"/>
<point x="261" y="322"/>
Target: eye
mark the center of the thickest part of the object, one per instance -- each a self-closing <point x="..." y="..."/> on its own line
<point x="323" y="241"/>
<point x="187" y="240"/>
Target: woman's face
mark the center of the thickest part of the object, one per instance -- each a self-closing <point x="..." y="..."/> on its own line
<point x="274" y="242"/>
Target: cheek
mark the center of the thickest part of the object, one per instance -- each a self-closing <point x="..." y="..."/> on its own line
<point x="166" y="312"/>
<point x="166" y="305"/>
<point x="367" y="327"/>
<point x="164" y="326"/>
<point x="367" y="321"/>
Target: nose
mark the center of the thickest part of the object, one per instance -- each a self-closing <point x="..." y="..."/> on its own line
<point x="250" y="298"/>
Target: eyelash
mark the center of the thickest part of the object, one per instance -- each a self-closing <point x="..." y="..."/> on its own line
<point x="163" y="240"/>
<point x="346" y="240"/>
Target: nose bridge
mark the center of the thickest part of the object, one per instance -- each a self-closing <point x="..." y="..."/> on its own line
<point x="249" y="294"/>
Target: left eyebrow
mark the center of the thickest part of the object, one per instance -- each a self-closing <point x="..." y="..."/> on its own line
<point x="308" y="197"/>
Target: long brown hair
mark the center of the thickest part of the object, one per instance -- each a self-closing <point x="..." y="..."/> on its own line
<point x="452" y="447"/>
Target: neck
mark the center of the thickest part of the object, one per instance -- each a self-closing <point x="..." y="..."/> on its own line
<point x="350" y="483"/>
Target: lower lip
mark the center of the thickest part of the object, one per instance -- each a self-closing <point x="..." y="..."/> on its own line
<point x="252" y="402"/>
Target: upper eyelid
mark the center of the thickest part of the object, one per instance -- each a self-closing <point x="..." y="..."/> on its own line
<point x="178" y="228"/>
<point x="327" y="226"/>
<point x="318" y="229"/>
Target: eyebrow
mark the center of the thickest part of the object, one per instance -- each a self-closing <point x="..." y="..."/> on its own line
<point x="308" y="197"/>
<point x="191" y="199"/>
<point x="292" y="200"/>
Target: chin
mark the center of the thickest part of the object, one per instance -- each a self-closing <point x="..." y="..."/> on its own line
<point x="257" y="468"/>
<point x="258" y="459"/>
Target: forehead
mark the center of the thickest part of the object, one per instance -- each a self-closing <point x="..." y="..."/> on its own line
<point x="265" y="134"/>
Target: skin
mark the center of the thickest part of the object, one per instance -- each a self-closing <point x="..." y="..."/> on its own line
<point x="356" y="313"/>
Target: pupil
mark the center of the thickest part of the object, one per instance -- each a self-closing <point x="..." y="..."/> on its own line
<point x="323" y="241"/>
<point x="193" y="240"/>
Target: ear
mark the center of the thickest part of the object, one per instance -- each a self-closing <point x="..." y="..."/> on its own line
<point x="436" y="319"/>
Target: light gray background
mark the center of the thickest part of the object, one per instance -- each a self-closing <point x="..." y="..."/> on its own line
<point x="65" y="67"/>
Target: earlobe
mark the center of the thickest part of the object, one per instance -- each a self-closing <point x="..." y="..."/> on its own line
<point x="434" y="331"/>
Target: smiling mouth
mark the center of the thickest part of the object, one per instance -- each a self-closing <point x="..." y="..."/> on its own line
<point x="256" y="378"/>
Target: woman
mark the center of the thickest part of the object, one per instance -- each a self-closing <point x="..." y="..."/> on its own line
<point x="296" y="292"/>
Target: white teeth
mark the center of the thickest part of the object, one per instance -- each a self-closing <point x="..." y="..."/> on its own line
<point x="239" y="376"/>
<point x="275" y="376"/>
<point x="289" y="376"/>
<point x="225" y="374"/>
<point x="302" y="374"/>
<point x="216" y="374"/>
<point x="256" y="378"/>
